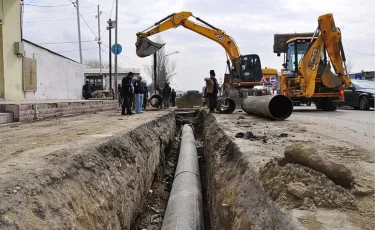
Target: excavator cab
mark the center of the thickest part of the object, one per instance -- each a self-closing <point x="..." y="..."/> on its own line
<point x="296" y="49"/>
<point x="250" y="69"/>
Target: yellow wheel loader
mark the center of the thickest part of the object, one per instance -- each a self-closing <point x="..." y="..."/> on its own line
<point x="306" y="76"/>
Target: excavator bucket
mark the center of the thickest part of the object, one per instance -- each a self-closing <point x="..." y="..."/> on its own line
<point x="330" y="79"/>
<point x="146" y="47"/>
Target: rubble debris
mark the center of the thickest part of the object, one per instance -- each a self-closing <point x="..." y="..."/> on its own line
<point x="297" y="186"/>
<point x="155" y="210"/>
<point x="88" y="165"/>
<point x="156" y="219"/>
<point x="241" y="117"/>
<point x="362" y="190"/>
<point x="299" y="190"/>
<point x="239" y="135"/>
<point x="250" y="135"/>
<point x="283" y="135"/>
<point x="308" y="156"/>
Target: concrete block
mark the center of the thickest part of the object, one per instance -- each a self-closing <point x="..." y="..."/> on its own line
<point x="6" y="118"/>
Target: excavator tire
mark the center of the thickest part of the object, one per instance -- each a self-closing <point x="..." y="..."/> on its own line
<point x="328" y="104"/>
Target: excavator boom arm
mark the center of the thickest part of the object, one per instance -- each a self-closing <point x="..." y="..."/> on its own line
<point x="329" y="39"/>
<point x="181" y="19"/>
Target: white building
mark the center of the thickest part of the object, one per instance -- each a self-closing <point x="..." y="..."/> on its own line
<point x="53" y="75"/>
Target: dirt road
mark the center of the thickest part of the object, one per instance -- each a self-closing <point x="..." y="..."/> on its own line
<point x="347" y="125"/>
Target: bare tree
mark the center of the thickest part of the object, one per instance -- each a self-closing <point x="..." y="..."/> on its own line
<point x="349" y="64"/>
<point x="165" y="68"/>
<point x="95" y="63"/>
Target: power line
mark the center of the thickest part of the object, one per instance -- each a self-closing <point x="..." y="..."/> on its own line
<point x="127" y="64"/>
<point x="110" y="15"/>
<point x="52" y="43"/>
<point x="360" y="52"/>
<point x="76" y="50"/>
<point x="123" y="56"/>
<point x="87" y="24"/>
<point x="25" y="4"/>
<point x="113" y="3"/>
<point x="54" y="17"/>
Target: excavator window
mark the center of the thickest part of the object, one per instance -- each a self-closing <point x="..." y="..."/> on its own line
<point x="296" y="51"/>
<point x="251" y="69"/>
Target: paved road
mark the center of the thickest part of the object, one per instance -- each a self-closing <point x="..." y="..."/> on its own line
<point x="353" y="126"/>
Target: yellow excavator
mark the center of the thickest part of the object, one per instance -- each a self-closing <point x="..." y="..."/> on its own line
<point x="245" y="70"/>
<point x="306" y="76"/>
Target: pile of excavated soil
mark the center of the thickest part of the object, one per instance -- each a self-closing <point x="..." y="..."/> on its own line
<point x="189" y="100"/>
<point x="297" y="186"/>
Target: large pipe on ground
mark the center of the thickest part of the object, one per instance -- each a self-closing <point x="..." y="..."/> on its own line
<point x="275" y="107"/>
<point x="184" y="209"/>
<point x="156" y="101"/>
<point x="225" y="105"/>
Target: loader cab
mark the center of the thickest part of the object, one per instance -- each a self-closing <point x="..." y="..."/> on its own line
<point x="296" y="49"/>
<point x="250" y="68"/>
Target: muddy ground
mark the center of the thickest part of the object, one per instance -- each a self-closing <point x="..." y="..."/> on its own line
<point x="345" y="136"/>
<point x="82" y="172"/>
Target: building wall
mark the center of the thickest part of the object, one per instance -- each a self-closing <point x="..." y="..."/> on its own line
<point x="10" y="63"/>
<point x="57" y="77"/>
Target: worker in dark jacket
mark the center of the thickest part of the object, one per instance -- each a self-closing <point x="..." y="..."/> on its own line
<point x="139" y="92"/>
<point x="127" y="93"/>
<point x="166" y="94"/>
<point x="145" y="95"/>
<point x="212" y="89"/>
<point x="87" y="90"/>
<point x="173" y="98"/>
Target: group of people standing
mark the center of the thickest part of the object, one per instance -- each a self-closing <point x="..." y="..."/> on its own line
<point x="133" y="90"/>
<point x="168" y="95"/>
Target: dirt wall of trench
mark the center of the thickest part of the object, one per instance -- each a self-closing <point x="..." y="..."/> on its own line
<point x="100" y="186"/>
<point x="237" y="199"/>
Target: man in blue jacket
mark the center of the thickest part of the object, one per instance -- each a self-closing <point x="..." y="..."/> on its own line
<point x="139" y="92"/>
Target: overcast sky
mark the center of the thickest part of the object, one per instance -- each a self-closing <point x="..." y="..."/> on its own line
<point x="252" y="24"/>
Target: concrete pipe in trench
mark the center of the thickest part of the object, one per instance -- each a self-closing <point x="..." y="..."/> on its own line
<point x="156" y="101"/>
<point x="275" y="107"/>
<point x="185" y="209"/>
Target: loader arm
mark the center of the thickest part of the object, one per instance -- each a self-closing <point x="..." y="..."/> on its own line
<point x="181" y="19"/>
<point x="329" y="39"/>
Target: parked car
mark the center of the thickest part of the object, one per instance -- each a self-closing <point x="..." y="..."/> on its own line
<point x="360" y="95"/>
